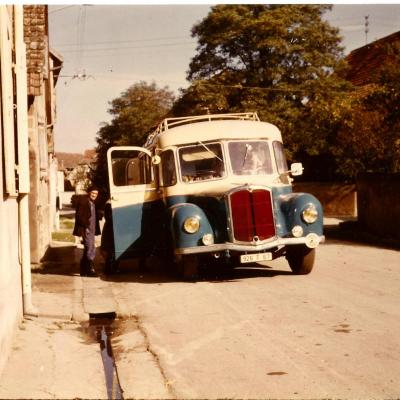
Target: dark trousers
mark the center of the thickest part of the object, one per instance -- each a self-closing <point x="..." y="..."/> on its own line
<point x="89" y="251"/>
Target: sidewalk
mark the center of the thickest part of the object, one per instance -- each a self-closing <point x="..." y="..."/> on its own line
<point x="61" y="354"/>
<point x="54" y="354"/>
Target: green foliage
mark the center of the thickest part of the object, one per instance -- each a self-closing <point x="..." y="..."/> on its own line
<point x="371" y="142"/>
<point x="141" y="107"/>
<point x="283" y="61"/>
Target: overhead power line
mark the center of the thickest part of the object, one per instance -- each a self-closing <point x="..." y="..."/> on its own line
<point x="60" y="9"/>
<point x="80" y="35"/>
<point x="259" y="88"/>
<point x="123" y="41"/>
<point x="128" y="47"/>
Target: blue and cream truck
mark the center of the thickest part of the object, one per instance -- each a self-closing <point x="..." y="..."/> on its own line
<point x="211" y="187"/>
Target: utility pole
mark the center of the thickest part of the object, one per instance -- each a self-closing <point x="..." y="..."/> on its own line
<point x="366" y="24"/>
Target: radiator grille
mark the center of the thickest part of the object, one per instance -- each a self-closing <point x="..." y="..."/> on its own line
<point x="252" y="215"/>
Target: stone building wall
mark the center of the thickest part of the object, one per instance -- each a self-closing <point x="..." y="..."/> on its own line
<point x="37" y="61"/>
<point x="35" y="37"/>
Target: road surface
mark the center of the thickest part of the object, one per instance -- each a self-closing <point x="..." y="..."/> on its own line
<point x="265" y="333"/>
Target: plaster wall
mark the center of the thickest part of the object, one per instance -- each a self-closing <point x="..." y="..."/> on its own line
<point x="10" y="273"/>
<point x="39" y="199"/>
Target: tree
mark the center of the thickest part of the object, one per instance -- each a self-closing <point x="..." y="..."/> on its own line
<point x="371" y="141"/>
<point x="140" y="108"/>
<point x="283" y="61"/>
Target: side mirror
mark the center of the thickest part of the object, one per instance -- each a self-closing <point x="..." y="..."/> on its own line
<point x="296" y="169"/>
<point x="156" y="160"/>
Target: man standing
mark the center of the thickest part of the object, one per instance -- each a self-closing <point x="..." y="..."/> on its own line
<point x="87" y="226"/>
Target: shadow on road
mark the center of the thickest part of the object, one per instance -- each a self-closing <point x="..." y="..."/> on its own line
<point x="352" y="232"/>
<point x="156" y="272"/>
<point x="59" y="259"/>
<point x="63" y="259"/>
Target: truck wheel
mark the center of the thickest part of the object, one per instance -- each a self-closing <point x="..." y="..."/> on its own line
<point x="301" y="259"/>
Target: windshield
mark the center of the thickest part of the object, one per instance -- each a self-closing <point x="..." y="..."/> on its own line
<point x="201" y="162"/>
<point x="250" y="157"/>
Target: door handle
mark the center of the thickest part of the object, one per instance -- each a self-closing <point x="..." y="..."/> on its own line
<point x="114" y="198"/>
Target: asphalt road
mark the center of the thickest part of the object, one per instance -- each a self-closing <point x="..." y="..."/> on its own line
<point x="265" y="333"/>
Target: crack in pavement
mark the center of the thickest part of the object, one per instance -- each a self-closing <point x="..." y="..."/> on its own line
<point x="167" y="382"/>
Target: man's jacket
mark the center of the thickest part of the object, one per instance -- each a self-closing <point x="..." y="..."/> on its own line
<point x="82" y="216"/>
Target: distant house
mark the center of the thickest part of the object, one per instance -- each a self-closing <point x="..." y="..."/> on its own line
<point x="76" y="168"/>
<point x="366" y="62"/>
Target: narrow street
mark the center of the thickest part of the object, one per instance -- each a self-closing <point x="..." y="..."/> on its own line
<point x="266" y="333"/>
<point x="261" y="333"/>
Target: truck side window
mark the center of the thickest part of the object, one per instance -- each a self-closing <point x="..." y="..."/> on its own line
<point x="280" y="158"/>
<point x="168" y="171"/>
<point x="130" y="168"/>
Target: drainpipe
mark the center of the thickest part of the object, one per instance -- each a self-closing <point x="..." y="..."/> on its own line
<point x="23" y="163"/>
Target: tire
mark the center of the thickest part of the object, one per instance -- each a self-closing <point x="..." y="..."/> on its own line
<point x="301" y="259"/>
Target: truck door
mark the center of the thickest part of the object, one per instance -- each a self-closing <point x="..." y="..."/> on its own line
<point x="134" y="197"/>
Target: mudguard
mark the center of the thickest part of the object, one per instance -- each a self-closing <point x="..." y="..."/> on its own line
<point x="178" y="215"/>
<point x="289" y="215"/>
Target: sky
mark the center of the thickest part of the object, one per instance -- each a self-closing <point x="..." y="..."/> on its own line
<point x="108" y="48"/>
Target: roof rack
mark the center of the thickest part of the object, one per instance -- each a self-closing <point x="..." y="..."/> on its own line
<point x="173" y="122"/>
<point x="168" y="123"/>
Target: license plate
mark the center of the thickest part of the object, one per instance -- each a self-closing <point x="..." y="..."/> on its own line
<point x="250" y="258"/>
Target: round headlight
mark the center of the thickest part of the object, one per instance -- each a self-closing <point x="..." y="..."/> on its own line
<point x="191" y="224"/>
<point x="310" y="214"/>
<point x="208" y="239"/>
<point x="297" y="231"/>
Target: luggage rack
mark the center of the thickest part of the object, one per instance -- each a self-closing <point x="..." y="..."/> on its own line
<point x="168" y="123"/>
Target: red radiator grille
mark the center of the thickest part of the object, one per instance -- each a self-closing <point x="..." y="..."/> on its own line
<point x="252" y="215"/>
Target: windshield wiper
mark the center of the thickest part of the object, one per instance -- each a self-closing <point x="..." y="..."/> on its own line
<point x="209" y="150"/>
<point x="248" y="147"/>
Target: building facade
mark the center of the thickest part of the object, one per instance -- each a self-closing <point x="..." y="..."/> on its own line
<point x="43" y="68"/>
<point x="26" y="106"/>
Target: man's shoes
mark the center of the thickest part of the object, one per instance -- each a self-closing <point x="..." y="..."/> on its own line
<point x="86" y="269"/>
<point x="91" y="273"/>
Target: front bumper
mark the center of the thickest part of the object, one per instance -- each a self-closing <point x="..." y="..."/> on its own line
<point x="312" y="240"/>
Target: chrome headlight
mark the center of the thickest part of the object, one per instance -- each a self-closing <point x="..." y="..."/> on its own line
<point x="297" y="231"/>
<point x="208" y="239"/>
<point x="310" y="214"/>
<point x="191" y="224"/>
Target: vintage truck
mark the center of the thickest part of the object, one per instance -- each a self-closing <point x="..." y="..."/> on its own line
<point x="211" y="188"/>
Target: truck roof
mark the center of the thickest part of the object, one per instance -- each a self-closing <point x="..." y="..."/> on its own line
<point x="179" y="131"/>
